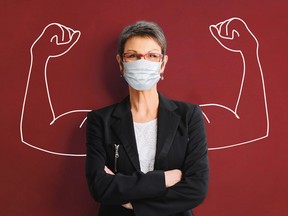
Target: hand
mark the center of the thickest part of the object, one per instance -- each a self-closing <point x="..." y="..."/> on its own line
<point x="55" y="40"/>
<point x="172" y="177"/>
<point x="108" y="171"/>
<point x="234" y="35"/>
<point x="128" y="206"/>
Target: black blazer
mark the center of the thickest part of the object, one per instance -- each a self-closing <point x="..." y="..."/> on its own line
<point x="181" y="144"/>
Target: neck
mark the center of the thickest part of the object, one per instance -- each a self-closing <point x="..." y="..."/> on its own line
<point x="144" y="104"/>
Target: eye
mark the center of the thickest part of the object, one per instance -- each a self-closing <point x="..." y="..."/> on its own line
<point x="130" y="55"/>
<point x="153" y="55"/>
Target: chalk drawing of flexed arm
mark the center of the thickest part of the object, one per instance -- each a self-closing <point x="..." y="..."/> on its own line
<point x="248" y="120"/>
<point x="38" y="118"/>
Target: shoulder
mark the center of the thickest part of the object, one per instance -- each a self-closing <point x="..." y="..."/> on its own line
<point x="188" y="111"/>
<point x="99" y="116"/>
<point x="181" y="107"/>
<point x="115" y="110"/>
<point x="103" y="110"/>
<point x="185" y="105"/>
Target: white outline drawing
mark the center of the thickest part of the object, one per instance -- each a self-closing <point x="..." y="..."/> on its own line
<point x="58" y="41"/>
<point x="62" y="41"/>
<point x="227" y="36"/>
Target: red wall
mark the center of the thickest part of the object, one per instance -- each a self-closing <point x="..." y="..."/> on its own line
<point x="42" y="165"/>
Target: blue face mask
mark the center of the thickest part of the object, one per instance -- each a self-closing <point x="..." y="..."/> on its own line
<point x="142" y="74"/>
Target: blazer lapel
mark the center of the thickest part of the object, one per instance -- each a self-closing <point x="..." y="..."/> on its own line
<point x="168" y="122"/>
<point x="124" y="129"/>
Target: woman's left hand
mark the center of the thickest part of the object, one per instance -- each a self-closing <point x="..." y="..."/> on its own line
<point x="128" y="206"/>
<point x="108" y="171"/>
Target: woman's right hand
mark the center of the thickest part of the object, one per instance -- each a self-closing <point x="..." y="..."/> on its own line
<point x="172" y="177"/>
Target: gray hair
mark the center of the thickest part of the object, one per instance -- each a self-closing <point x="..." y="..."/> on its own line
<point x="142" y="29"/>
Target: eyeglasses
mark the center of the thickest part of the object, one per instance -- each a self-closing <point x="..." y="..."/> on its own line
<point x="154" y="57"/>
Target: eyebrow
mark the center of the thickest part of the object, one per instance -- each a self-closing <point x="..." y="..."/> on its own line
<point x="147" y="52"/>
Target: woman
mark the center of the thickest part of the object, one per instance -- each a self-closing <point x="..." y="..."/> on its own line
<point x="147" y="155"/>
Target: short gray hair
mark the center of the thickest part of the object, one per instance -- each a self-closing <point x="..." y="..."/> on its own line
<point x="142" y="29"/>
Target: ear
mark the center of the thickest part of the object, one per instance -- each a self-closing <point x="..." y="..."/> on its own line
<point x="121" y="67"/>
<point x="165" y="60"/>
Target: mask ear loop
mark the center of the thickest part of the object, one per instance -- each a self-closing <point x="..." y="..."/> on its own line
<point x="121" y="72"/>
<point x="162" y="74"/>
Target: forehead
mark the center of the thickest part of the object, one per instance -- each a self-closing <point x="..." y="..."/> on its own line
<point x="141" y="44"/>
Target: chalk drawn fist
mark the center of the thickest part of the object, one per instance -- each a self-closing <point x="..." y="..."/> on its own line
<point x="234" y="35"/>
<point x="55" y="40"/>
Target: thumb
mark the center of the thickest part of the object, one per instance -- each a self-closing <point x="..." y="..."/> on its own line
<point x="214" y="31"/>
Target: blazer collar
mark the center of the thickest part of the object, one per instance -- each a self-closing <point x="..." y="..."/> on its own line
<point x="168" y="122"/>
<point x="124" y="129"/>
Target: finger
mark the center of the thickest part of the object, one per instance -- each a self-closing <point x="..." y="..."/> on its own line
<point x="223" y="29"/>
<point x="71" y="35"/>
<point x="215" y="31"/>
<point x="71" y="31"/>
<point x="108" y="171"/>
<point x="128" y="206"/>
<point x="64" y="47"/>
<point x="56" y="33"/>
<point x="218" y="25"/>
<point x="219" y="30"/>
<point x="231" y="29"/>
<point x="66" y="35"/>
<point x="61" y="34"/>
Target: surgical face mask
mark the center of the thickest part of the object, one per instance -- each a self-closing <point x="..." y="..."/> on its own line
<point x="142" y="74"/>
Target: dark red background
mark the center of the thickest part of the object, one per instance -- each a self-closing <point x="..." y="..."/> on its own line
<point x="246" y="180"/>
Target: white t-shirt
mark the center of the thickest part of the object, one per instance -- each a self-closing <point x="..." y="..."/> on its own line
<point x="146" y="139"/>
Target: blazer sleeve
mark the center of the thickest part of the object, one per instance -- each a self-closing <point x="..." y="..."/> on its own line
<point x="192" y="189"/>
<point x="115" y="189"/>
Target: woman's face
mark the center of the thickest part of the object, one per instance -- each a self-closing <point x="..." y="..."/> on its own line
<point x="142" y="45"/>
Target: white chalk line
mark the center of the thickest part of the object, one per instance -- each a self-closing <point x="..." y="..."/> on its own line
<point x="242" y="82"/>
<point x="71" y="32"/>
<point x="54" y="118"/>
